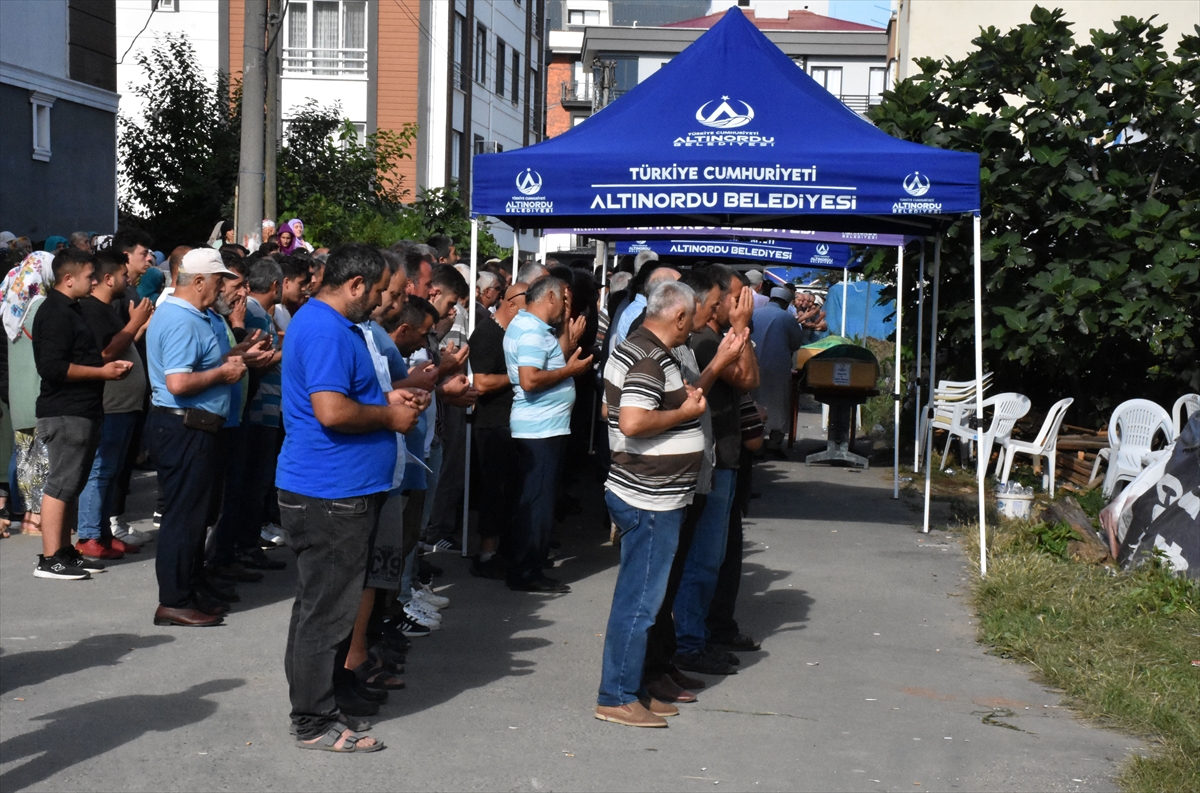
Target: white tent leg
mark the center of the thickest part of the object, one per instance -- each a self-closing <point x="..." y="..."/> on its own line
<point x="937" y="272"/>
<point x="920" y="338"/>
<point x="980" y="462"/>
<point x="466" y="508"/>
<point x="845" y="286"/>
<point x="896" y="377"/>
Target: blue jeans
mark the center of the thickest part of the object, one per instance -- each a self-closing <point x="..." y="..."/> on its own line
<point x="540" y="460"/>
<point x="99" y="494"/>
<point x="434" y="461"/>
<point x="703" y="563"/>
<point x="648" y="543"/>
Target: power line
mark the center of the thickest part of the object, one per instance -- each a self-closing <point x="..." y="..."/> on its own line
<point x="153" y="8"/>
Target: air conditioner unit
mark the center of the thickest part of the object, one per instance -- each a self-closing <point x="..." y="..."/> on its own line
<point x="488" y="147"/>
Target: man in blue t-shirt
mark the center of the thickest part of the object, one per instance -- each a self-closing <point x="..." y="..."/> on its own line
<point x="540" y="420"/>
<point x="333" y="475"/>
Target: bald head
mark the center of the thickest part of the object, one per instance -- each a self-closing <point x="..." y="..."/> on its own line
<point x="660" y="276"/>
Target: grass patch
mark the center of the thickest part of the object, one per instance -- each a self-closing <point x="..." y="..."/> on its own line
<point x="1119" y="645"/>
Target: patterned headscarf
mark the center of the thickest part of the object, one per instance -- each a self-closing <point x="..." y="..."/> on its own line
<point x="32" y="277"/>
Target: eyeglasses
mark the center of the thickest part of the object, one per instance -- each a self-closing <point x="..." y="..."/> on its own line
<point x="514" y="297"/>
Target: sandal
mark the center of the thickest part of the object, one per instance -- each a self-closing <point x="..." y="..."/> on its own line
<point x="337" y="733"/>
<point x="393" y="660"/>
<point x="373" y="674"/>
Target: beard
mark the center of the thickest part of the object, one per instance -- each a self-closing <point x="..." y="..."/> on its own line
<point x="223" y="307"/>
<point x="359" y="310"/>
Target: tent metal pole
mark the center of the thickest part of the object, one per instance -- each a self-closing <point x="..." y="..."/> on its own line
<point x="937" y="274"/>
<point x="920" y="338"/>
<point x="601" y="258"/>
<point x="466" y="507"/>
<point x="980" y="463"/>
<point x="896" y="377"/>
<point x="845" y="286"/>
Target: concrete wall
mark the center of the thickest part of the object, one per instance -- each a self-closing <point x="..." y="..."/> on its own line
<point x="34" y="35"/>
<point x="76" y="190"/>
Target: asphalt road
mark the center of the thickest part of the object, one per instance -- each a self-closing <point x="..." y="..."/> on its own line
<point x="869" y="677"/>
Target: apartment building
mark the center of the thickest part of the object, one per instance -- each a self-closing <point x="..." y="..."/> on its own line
<point x="58" y="125"/>
<point x="469" y="73"/>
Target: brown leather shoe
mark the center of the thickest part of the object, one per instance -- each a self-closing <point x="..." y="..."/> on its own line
<point x="634" y="714"/>
<point x="188" y="618"/>
<point x="660" y="708"/>
<point x="667" y="690"/>
<point x="685" y="681"/>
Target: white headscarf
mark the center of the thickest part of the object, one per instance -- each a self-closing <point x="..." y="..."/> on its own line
<point x="31" y="278"/>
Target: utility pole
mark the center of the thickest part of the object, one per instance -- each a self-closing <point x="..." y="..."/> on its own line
<point x="248" y="229"/>
<point x="270" y="192"/>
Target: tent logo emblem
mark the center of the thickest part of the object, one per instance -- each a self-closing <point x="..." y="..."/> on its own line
<point x="822" y="249"/>
<point x="530" y="182"/>
<point x="724" y="116"/>
<point x="916" y="185"/>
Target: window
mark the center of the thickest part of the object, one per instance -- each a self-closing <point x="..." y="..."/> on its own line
<point x="877" y="84"/>
<point x="501" y="63"/>
<point x="583" y="17"/>
<point x="165" y="6"/>
<point x="481" y="55"/>
<point x="41" y="125"/>
<point x="326" y="38"/>
<point x="461" y="43"/>
<point x="455" y="154"/>
<point x="830" y="78"/>
<point x="516" y="77"/>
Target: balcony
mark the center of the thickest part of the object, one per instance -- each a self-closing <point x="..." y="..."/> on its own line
<point x="861" y="103"/>
<point x="578" y="94"/>
<point x="319" y="62"/>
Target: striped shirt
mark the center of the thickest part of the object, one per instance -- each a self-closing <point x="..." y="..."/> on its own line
<point x="658" y="473"/>
<point x="543" y="414"/>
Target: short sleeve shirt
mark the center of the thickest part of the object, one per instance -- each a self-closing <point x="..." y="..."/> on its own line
<point x="326" y="352"/>
<point x="182" y="340"/>
<point x="124" y="395"/>
<point x="487" y="357"/>
<point x="265" y="408"/>
<point x="723" y="400"/>
<point x="546" y="413"/>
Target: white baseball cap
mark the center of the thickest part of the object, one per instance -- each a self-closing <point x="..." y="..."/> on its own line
<point x="204" y="261"/>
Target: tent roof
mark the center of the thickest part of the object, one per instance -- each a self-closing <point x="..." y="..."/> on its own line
<point x="730" y="132"/>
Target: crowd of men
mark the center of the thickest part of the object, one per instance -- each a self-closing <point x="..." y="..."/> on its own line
<point x="323" y="400"/>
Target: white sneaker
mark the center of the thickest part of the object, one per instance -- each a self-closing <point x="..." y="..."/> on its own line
<point x="122" y="532"/>
<point x="418" y="616"/>
<point x="425" y="609"/>
<point x="273" y="534"/>
<point x="426" y="595"/>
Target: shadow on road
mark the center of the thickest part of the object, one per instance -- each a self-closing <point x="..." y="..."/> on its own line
<point x="18" y="670"/>
<point x="75" y="735"/>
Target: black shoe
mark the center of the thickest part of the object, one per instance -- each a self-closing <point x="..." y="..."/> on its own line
<point x="394" y="660"/>
<point x="377" y="695"/>
<point x="256" y="559"/>
<point x="555" y="544"/>
<point x="60" y="569"/>
<point x="493" y="568"/>
<point x="393" y="635"/>
<point x="207" y="604"/>
<point x="542" y="585"/>
<point x="738" y="641"/>
<point x="235" y="572"/>
<point x="448" y="544"/>
<point x="703" y="663"/>
<point x="74" y="560"/>
<point x="215" y="589"/>
<point x="722" y="655"/>
<point x="428" y="569"/>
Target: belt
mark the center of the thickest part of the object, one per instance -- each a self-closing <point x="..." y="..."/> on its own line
<point x="172" y="411"/>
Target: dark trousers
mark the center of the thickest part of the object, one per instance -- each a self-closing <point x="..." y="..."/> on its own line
<point x="132" y="452"/>
<point x="660" y="641"/>
<point x="539" y="463"/>
<point x="230" y="526"/>
<point x="186" y="462"/>
<point x="498" y="483"/>
<point x="720" y="621"/>
<point x="262" y="452"/>
<point x="445" y="517"/>
<point x="330" y="539"/>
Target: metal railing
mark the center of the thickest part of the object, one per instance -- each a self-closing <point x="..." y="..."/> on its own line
<point x="860" y="103"/>
<point x="325" y="62"/>
<point x="584" y="93"/>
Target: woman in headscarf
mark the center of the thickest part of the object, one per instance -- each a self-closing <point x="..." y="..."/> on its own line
<point x="221" y="234"/>
<point x="287" y="241"/>
<point x="6" y="238"/>
<point x="268" y="229"/>
<point x="23" y="291"/>
<point x="297" y="227"/>
<point x="53" y="244"/>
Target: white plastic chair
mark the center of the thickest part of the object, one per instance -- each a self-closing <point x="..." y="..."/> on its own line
<point x="1131" y="430"/>
<point x="953" y="402"/>
<point x="1183" y="409"/>
<point x="1045" y="444"/>
<point x="1006" y="409"/>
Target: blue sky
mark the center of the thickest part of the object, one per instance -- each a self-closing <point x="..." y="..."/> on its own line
<point x="867" y="12"/>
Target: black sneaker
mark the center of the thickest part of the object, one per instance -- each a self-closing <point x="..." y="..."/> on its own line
<point x="703" y="663"/>
<point x="736" y="641"/>
<point x="74" y="559"/>
<point x="722" y="655"/>
<point x="448" y="544"/>
<point x="256" y="559"/>
<point x="55" y="567"/>
<point x="493" y="568"/>
<point x="410" y="628"/>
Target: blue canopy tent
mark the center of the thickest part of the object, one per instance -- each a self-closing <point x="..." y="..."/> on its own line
<point x="732" y="133"/>
<point x="764" y="252"/>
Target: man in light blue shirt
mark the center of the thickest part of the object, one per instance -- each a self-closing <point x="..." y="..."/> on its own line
<point x="543" y="395"/>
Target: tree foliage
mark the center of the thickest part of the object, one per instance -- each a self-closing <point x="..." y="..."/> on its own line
<point x="178" y="165"/>
<point x="1090" y="203"/>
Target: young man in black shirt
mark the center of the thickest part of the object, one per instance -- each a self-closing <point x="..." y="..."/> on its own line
<point x="70" y="408"/>
<point x="492" y="436"/>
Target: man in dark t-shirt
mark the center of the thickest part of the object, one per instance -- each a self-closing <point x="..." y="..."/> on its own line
<point x="492" y="436"/>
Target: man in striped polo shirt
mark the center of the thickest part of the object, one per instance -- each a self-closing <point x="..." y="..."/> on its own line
<point x="657" y="448"/>
<point x="543" y="382"/>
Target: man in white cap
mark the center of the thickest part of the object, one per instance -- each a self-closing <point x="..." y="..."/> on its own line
<point x="776" y="337"/>
<point x="192" y="368"/>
